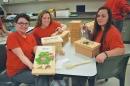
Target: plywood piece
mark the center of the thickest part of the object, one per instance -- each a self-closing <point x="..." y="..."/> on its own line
<point x="75" y="29"/>
<point x="53" y="41"/>
<point x="87" y="47"/>
<point x="44" y="62"/>
<point x="65" y="37"/>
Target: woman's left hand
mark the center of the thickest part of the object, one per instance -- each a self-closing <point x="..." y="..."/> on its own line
<point x="101" y="57"/>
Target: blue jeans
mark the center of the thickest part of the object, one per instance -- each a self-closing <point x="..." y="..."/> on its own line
<point x="78" y="81"/>
<point x="118" y="24"/>
<point x="26" y="77"/>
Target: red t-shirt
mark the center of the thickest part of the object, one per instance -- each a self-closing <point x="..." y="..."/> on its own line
<point x="14" y="40"/>
<point x="113" y="39"/>
<point x="46" y="32"/>
<point x="118" y="7"/>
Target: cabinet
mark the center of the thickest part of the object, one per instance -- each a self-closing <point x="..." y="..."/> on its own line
<point x="18" y="1"/>
<point x="35" y="1"/>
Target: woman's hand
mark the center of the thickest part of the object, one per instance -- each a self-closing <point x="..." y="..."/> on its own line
<point x="84" y="27"/>
<point x="59" y="30"/>
<point x="101" y="57"/>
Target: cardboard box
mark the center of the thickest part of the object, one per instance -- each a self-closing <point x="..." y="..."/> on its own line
<point x="53" y="41"/>
<point x="87" y="48"/>
<point x="75" y="30"/>
<point x="44" y="62"/>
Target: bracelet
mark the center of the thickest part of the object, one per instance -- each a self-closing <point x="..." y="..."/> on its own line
<point x="106" y="54"/>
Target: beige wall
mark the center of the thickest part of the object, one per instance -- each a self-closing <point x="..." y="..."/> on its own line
<point x="91" y="5"/>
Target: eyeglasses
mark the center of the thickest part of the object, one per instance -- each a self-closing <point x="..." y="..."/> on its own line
<point x="21" y="23"/>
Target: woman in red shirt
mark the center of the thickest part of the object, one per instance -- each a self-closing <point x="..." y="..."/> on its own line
<point x="20" y="54"/>
<point x="46" y="26"/>
<point x="107" y="34"/>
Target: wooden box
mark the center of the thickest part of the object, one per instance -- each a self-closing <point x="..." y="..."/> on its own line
<point x="44" y="62"/>
<point x="75" y="30"/>
<point x="87" y="47"/>
<point x="54" y="41"/>
<point x="65" y="36"/>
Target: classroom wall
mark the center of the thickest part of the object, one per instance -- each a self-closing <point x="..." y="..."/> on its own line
<point x="91" y="5"/>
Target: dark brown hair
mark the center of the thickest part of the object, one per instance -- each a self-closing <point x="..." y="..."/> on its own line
<point x="97" y="27"/>
<point x="21" y="15"/>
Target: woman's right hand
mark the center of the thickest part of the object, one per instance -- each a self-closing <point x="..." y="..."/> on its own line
<point x="84" y="27"/>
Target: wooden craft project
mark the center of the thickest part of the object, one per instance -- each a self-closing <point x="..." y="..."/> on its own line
<point x="53" y="41"/>
<point x="87" y="47"/>
<point x="70" y="66"/>
<point x="75" y="30"/>
<point x="65" y="36"/>
<point x="44" y="62"/>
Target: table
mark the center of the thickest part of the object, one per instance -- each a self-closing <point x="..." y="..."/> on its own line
<point x="86" y="70"/>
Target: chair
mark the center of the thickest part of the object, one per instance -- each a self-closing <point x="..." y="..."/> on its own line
<point x="4" y="80"/>
<point x="113" y="67"/>
<point x="2" y="57"/>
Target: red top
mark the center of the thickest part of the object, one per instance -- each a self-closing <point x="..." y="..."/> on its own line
<point x="15" y="40"/>
<point x="118" y="7"/>
<point x="1" y="24"/>
<point x="46" y="32"/>
<point x="113" y="39"/>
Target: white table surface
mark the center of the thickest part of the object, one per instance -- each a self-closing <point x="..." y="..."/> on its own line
<point x="72" y="57"/>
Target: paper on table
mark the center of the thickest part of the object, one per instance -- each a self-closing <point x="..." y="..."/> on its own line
<point x="60" y="63"/>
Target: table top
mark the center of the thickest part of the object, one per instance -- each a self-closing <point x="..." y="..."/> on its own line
<point x="71" y="57"/>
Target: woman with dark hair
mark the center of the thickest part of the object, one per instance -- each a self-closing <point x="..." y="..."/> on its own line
<point x="46" y="26"/>
<point x="20" y="54"/>
<point x="108" y="35"/>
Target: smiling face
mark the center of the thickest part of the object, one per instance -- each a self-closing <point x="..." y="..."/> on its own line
<point x="46" y="19"/>
<point x="22" y="25"/>
<point x="102" y="17"/>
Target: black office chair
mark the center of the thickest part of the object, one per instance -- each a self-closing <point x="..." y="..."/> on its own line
<point x="4" y="80"/>
<point x="113" y="67"/>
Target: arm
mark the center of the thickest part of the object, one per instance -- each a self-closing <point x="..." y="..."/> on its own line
<point x="114" y="52"/>
<point x="88" y="31"/>
<point x="124" y="6"/>
<point x="22" y="57"/>
<point x="60" y="29"/>
<point x="113" y="45"/>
